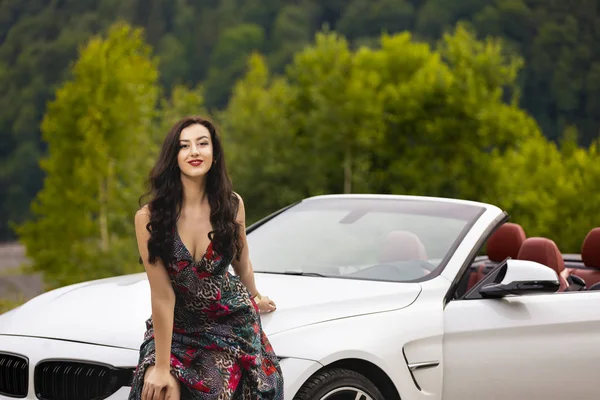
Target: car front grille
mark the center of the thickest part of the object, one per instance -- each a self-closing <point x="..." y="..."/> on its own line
<point x="69" y="380"/>
<point x="13" y="375"/>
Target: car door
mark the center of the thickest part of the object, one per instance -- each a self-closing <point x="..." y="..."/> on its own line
<point x="539" y="346"/>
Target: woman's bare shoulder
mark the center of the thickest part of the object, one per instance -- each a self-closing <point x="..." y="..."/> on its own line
<point x="143" y="214"/>
<point x="237" y="195"/>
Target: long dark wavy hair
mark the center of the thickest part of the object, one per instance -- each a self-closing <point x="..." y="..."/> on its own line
<point x="166" y="197"/>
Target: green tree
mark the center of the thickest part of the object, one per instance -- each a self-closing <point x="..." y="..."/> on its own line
<point x="37" y="42"/>
<point x="292" y="31"/>
<point x="97" y="131"/>
<point x="262" y="154"/>
<point x="337" y="112"/>
<point x="229" y="59"/>
<point x="364" y="18"/>
<point x="403" y="118"/>
<point x="550" y="189"/>
<point x="181" y="102"/>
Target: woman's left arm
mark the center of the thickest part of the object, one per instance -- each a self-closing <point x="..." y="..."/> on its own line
<point x="243" y="265"/>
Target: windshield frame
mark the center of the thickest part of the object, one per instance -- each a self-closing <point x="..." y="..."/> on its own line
<point x="478" y="210"/>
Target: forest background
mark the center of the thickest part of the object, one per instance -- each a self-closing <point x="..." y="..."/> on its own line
<point x="488" y="100"/>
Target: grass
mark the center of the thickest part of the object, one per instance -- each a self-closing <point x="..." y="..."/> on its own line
<point x="14" y="297"/>
<point x="8" y="304"/>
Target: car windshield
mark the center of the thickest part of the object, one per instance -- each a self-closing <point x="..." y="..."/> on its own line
<point x="363" y="238"/>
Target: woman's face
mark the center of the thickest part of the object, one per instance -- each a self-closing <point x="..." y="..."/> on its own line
<point x="195" y="155"/>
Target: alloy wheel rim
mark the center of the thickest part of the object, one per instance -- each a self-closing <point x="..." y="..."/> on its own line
<point x="348" y="392"/>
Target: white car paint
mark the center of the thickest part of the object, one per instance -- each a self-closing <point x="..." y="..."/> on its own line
<point x="38" y="349"/>
<point x="298" y="299"/>
<point x="519" y="347"/>
<point x="545" y="346"/>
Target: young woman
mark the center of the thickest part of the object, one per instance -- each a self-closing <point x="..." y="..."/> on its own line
<point x="204" y="339"/>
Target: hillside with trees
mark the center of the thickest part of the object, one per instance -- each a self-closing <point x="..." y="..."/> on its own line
<point x="493" y="100"/>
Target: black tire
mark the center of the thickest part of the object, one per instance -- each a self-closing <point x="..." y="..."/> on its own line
<point x="338" y="384"/>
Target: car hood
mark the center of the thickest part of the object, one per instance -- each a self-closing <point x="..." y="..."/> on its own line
<point x="112" y="311"/>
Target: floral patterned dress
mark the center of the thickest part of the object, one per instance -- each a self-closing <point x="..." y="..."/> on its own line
<point x="219" y="350"/>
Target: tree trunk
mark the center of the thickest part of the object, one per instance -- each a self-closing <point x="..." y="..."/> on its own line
<point x="104" y="196"/>
<point x="348" y="171"/>
<point x="103" y="217"/>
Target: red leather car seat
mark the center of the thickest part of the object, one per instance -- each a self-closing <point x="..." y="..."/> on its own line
<point x="546" y="252"/>
<point x="590" y="255"/>
<point x="505" y="242"/>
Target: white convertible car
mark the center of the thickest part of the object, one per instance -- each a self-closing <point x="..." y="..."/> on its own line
<point x="379" y="297"/>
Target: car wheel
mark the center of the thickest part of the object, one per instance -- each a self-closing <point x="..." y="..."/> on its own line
<point x="338" y="384"/>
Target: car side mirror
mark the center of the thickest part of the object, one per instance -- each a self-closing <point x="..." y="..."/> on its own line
<point x="520" y="277"/>
<point x="576" y="284"/>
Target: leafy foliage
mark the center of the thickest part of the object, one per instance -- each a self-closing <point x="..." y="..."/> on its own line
<point x="389" y="96"/>
<point x="208" y="43"/>
<point x="7" y="305"/>
<point x="407" y="117"/>
<point x="97" y="132"/>
<point x="558" y="200"/>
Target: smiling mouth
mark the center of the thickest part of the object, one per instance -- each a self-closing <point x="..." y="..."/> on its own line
<point x="195" y="163"/>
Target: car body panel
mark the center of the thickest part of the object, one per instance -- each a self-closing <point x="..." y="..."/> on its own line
<point x="295" y="372"/>
<point x="380" y="338"/>
<point x="524" y="347"/>
<point x="118" y="318"/>
<point x="38" y="349"/>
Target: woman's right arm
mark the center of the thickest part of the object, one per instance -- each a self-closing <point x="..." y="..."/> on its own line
<point x="163" y="304"/>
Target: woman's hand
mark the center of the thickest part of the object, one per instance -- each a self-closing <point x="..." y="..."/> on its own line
<point x="266" y="305"/>
<point x="159" y="384"/>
